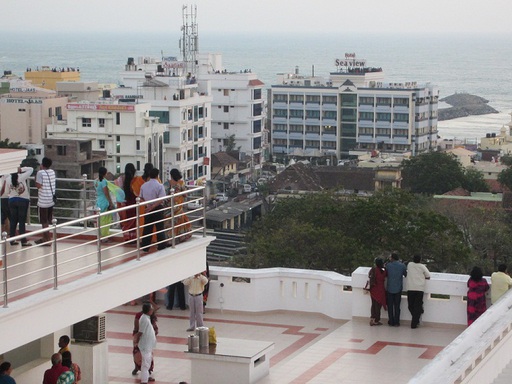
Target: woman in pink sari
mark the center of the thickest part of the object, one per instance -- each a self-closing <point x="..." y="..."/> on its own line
<point x="376" y="278"/>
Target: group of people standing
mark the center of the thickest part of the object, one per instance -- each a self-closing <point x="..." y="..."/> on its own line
<point x="15" y="201"/>
<point x="63" y="370"/>
<point x="153" y="217"/>
<point x="385" y="284"/>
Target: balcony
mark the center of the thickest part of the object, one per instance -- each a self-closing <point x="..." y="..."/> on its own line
<point x="315" y="340"/>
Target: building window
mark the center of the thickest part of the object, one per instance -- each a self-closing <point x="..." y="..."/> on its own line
<point x="86" y="122"/>
<point x="61" y="150"/>
<point x="226" y="108"/>
<point x="178" y="157"/>
<point x="118" y="118"/>
<point x="256" y="110"/>
<point x="256" y="95"/>
<point x="118" y="148"/>
<point x="256" y="126"/>
<point x="138" y="165"/>
<point x="101" y="123"/>
<point x="102" y="144"/>
<point x="226" y="92"/>
<point x="118" y="138"/>
<point x="50" y="112"/>
<point x="137" y="145"/>
<point x="118" y="160"/>
<point x="58" y="112"/>
<point x="38" y="151"/>
<point x="226" y="125"/>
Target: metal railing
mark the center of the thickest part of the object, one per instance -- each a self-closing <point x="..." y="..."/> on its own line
<point x="77" y="249"/>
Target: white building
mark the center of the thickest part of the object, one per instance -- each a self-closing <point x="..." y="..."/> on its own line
<point x="125" y="131"/>
<point x="181" y="104"/>
<point x="352" y="112"/>
<point x="237" y="107"/>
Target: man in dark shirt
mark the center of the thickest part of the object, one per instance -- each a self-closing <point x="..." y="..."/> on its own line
<point x="396" y="271"/>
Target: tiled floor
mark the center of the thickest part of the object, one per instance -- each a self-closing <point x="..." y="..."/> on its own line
<point x="308" y="348"/>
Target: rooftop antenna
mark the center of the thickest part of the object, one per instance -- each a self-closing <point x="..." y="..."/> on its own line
<point x="190" y="40"/>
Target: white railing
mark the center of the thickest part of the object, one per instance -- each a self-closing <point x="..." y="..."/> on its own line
<point x="477" y="355"/>
<point x="77" y="250"/>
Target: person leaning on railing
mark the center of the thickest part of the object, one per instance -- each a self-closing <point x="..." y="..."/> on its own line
<point x="45" y="183"/>
<point x="19" y="199"/>
<point x="103" y="202"/>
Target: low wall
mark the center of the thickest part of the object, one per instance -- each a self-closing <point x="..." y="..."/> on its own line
<point x="328" y="293"/>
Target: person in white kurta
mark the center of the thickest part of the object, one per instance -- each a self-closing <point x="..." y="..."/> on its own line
<point x="146" y="342"/>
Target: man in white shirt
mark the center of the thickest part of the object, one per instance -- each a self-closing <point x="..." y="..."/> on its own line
<point x="500" y="283"/>
<point x="146" y="341"/>
<point x="195" y="286"/>
<point x="417" y="275"/>
<point x="154" y="214"/>
<point x="45" y="183"/>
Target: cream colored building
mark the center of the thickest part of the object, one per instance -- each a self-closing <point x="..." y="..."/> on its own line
<point x="26" y="110"/>
<point x="124" y="130"/>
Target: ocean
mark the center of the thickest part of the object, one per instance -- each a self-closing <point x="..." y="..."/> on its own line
<point x="478" y="65"/>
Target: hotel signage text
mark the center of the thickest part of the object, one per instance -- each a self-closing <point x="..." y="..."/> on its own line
<point x="350" y="60"/>
<point x="100" y="107"/>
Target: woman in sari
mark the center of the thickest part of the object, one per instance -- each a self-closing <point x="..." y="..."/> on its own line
<point x="103" y="202"/>
<point x="180" y="227"/>
<point x="376" y="278"/>
<point x="477" y="288"/>
<point x="128" y="217"/>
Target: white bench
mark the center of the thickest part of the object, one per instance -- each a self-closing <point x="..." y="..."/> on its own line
<point x="231" y="361"/>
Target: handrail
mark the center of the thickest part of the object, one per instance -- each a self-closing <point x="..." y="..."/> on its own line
<point x="465" y="356"/>
<point x="77" y="249"/>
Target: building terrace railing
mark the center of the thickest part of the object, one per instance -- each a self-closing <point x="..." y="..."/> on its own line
<point x="77" y="249"/>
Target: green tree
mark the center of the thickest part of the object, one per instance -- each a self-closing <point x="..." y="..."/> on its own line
<point x="327" y="232"/>
<point x="506" y="159"/>
<point x="230" y="143"/>
<point x="432" y="173"/>
<point x="505" y="178"/>
<point x="474" y="181"/>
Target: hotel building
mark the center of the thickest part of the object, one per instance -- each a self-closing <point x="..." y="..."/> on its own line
<point x="125" y="131"/>
<point x="237" y="107"/>
<point x="353" y="111"/>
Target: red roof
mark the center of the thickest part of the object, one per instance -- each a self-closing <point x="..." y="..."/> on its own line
<point x="256" y="82"/>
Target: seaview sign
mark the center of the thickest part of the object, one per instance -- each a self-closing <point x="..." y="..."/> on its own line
<point x="350" y="61"/>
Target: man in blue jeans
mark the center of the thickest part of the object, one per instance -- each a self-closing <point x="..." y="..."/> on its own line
<point x="396" y="271"/>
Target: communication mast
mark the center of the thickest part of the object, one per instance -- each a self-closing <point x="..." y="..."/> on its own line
<point x="190" y="40"/>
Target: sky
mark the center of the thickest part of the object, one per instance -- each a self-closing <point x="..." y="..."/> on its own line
<point x="261" y="16"/>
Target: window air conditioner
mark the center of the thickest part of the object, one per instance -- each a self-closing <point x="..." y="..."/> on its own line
<point x="92" y="329"/>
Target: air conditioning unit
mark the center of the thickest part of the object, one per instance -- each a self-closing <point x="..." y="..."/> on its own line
<point x="92" y="329"/>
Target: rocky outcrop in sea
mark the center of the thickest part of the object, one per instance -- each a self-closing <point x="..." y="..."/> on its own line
<point x="463" y="105"/>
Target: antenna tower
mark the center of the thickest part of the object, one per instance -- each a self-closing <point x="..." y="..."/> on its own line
<point x="189" y="42"/>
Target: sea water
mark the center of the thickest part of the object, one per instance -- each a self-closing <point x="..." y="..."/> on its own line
<point x="475" y="64"/>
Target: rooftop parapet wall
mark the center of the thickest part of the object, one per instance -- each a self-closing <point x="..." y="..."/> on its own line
<point x="327" y="293"/>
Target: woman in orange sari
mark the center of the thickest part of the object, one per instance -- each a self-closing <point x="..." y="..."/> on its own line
<point x="135" y="185"/>
<point x="181" y="226"/>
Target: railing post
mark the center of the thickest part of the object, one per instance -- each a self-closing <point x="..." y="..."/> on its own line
<point x="173" y="229"/>
<point x="98" y="240"/>
<point x="4" y="259"/>
<point x="204" y="212"/>
<point x="84" y="199"/>
<point x="137" y="227"/>
<point x="55" y="260"/>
